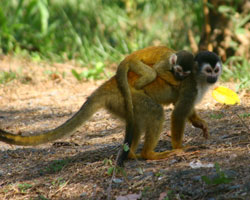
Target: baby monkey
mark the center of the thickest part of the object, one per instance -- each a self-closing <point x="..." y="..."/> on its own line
<point x="151" y="62"/>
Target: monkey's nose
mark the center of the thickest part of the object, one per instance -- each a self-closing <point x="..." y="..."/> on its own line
<point x="211" y="79"/>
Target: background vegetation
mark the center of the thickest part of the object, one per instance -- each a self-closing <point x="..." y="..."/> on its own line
<point x="100" y="32"/>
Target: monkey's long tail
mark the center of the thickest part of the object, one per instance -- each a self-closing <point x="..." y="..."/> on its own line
<point x="122" y="80"/>
<point x="85" y="112"/>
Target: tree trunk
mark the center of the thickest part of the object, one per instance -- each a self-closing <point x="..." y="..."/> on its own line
<point x="226" y="29"/>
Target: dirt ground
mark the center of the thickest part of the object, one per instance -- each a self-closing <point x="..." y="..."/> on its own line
<point x="44" y="95"/>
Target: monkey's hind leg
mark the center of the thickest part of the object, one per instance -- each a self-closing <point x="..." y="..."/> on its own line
<point x="154" y="122"/>
<point x="147" y="73"/>
<point x="135" y="142"/>
<point x="148" y="152"/>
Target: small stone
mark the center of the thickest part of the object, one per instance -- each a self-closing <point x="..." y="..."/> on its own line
<point x="247" y="186"/>
<point x="117" y="180"/>
<point x="231" y="173"/>
<point x="234" y="187"/>
<point x="196" y="178"/>
<point x="173" y="161"/>
<point x="84" y="194"/>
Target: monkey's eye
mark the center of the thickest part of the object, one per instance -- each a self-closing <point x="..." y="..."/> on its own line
<point x="208" y="70"/>
<point x="216" y="70"/>
<point x="179" y="70"/>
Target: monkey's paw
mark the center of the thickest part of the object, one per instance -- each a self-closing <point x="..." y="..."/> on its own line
<point x="203" y="126"/>
<point x="133" y="155"/>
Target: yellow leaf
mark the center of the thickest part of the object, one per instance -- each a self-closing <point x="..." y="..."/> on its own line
<point x="226" y="96"/>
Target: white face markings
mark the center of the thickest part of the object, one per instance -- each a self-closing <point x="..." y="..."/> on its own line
<point x="206" y="69"/>
<point x="218" y="68"/>
<point x="209" y="68"/>
<point x="179" y="70"/>
<point x="211" y="72"/>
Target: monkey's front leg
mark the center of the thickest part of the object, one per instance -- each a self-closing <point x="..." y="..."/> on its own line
<point x="199" y="123"/>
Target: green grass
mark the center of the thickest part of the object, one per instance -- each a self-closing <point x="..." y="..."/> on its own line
<point x="93" y="31"/>
<point x="245" y="115"/>
<point x="103" y="31"/>
<point x="7" y="76"/>
<point x="58" y="182"/>
<point x="23" y="187"/>
<point x="56" y="166"/>
<point x="221" y="177"/>
<point x="216" y="115"/>
<point x="237" y="69"/>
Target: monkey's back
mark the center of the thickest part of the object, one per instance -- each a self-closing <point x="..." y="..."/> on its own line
<point x="151" y="55"/>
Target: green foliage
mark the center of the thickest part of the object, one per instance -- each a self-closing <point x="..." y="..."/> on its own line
<point x="57" y="166"/>
<point x="7" y="76"/>
<point x="93" y="31"/>
<point x="237" y="68"/>
<point x="41" y="197"/>
<point x="170" y="195"/>
<point x="245" y="115"/>
<point x="24" y="187"/>
<point x="146" y="191"/>
<point x="59" y="182"/>
<point x="113" y="168"/>
<point x="221" y="177"/>
<point x="216" y="116"/>
<point x="158" y="174"/>
<point x="95" y="73"/>
<point x="126" y="147"/>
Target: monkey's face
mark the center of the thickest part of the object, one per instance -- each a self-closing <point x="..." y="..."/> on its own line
<point x="179" y="73"/>
<point x="212" y="73"/>
<point x="209" y="66"/>
<point x="182" y="63"/>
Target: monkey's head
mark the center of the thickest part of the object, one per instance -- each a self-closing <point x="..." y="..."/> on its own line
<point x="182" y="64"/>
<point x="209" y="66"/>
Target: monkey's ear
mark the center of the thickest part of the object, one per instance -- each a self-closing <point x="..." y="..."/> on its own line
<point x="173" y="59"/>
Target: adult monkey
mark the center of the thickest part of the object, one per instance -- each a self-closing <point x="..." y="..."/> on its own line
<point x="148" y="111"/>
<point x="206" y="72"/>
<point x="149" y="63"/>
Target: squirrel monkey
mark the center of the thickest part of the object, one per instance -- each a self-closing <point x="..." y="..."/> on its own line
<point x="205" y="73"/>
<point x="148" y="109"/>
<point x="149" y="63"/>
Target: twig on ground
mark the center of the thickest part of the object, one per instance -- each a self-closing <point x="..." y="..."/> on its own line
<point x="113" y="174"/>
<point x="244" y="124"/>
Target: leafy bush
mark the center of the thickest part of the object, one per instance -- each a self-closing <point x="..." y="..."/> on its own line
<point x="93" y="31"/>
